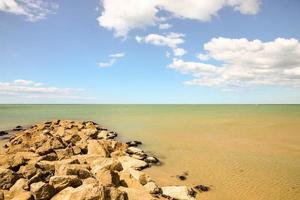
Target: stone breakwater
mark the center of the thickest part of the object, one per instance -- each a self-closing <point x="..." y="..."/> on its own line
<point x="78" y="160"/>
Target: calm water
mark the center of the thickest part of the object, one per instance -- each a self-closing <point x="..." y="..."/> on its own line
<point x="243" y="151"/>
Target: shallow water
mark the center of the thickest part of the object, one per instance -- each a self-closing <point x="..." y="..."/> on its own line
<point x="241" y="151"/>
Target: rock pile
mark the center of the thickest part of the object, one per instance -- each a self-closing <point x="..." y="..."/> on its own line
<point x="78" y="160"/>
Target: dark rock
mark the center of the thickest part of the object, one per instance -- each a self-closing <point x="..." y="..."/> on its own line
<point x="18" y="128"/>
<point x="181" y="177"/>
<point x="202" y="188"/>
<point x="152" y="159"/>
<point x="134" y="143"/>
<point x="3" y="133"/>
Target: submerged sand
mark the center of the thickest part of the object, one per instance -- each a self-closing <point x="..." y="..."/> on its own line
<point x="244" y="152"/>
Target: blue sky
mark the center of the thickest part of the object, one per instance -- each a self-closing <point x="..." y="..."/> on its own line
<point x="113" y="51"/>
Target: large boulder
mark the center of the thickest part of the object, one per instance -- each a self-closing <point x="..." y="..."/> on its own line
<point x="177" y="192"/>
<point x="42" y="191"/>
<point x="94" y="147"/>
<point x="108" y="177"/>
<point x="65" y="194"/>
<point x="88" y="192"/>
<point x="139" y="175"/>
<point x="152" y="188"/>
<point x="115" y="194"/>
<point x="7" y="178"/>
<point x="18" y="188"/>
<point x="80" y="170"/>
<point x="61" y="182"/>
<point x="137" y="193"/>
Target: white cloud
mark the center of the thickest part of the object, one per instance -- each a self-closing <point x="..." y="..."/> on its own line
<point x="113" y="60"/>
<point x="171" y="40"/>
<point x="179" y="52"/>
<point x="167" y="54"/>
<point x="30" y="89"/>
<point x="202" y="57"/>
<point x="164" y="26"/>
<point x="33" y="10"/>
<point x="122" y="16"/>
<point x="245" y="63"/>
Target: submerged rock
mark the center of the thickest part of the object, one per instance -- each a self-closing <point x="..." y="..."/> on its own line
<point x="202" y="188"/>
<point x="3" y="133"/>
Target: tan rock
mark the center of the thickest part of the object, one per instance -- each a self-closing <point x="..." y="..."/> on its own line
<point x="129" y="162"/>
<point x="23" y="196"/>
<point x="88" y="192"/>
<point x="108" y="177"/>
<point x="65" y="194"/>
<point x="18" y="188"/>
<point x="80" y="170"/>
<point x="28" y="170"/>
<point x="61" y="182"/>
<point x="106" y="163"/>
<point x="140" y="176"/>
<point x="137" y="194"/>
<point x="95" y="148"/>
<point x="42" y="191"/>
<point x="115" y="194"/>
<point x="7" y="178"/>
<point x="152" y="188"/>
<point x="177" y="192"/>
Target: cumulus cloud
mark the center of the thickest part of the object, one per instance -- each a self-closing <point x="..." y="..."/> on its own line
<point x="31" y="89"/>
<point x="245" y="63"/>
<point x="33" y="10"/>
<point x="113" y="59"/>
<point x="171" y="40"/>
<point x="122" y="16"/>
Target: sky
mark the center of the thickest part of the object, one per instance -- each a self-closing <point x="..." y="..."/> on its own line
<point x="150" y="51"/>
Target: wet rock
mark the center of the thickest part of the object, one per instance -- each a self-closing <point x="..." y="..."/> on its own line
<point x="62" y="182"/>
<point x="177" y="192"/>
<point x="7" y="178"/>
<point x="152" y="160"/>
<point x="133" y="143"/>
<point x="202" y="188"/>
<point x="42" y="191"/>
<point x="18" y="128"/>
<point x="3" y="133"/>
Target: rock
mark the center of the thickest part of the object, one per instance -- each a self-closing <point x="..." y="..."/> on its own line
<point x="202" y="188"/>
<point x="41" y="176"/>
<point x="64" y="153"/>
<point x="7" y="178"/>
<point x="133" y="143"/>
<point x="18" y="128"/>
<point x="76" y="150"/>
<point x="136" y="152"/>
<point x="72" y="138"/>
<point x="18" y="188"/>
<point x="23" y="196"/>
<point x="151" y="159"/>
<point x="106" y="163"/>
<point x="42" y="191"/>
<point x="45" y="148"/>
<point x="136" y="193"/>
<point x="3" y="133"/>
<point x="50" y="157"/>
<point x="28" y="171"/>
<point x="88" y="192"/>
<point x="177" y="192"/>
<point x="94" y="147"/>
<point x="79" y="170"/>
<point x="65" y="194"/>
<point x="129" y="162"/>
<point x="108" y="178"/>
<point x="57" y="143"/>
<point x="115" y="194"/>
<point x="1" y="195"/>
<point x="152" y="188"/>
<point x="61" y="182"/>
<point x="138" y="175"/>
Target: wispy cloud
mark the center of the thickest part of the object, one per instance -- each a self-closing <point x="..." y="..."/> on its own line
<point x="33" y="10"/>
<point x="113" y="59"/>
<point x="164" y="26"/>
<point x="31" y="89"/>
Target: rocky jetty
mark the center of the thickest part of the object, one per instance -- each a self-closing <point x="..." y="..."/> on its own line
<point x="78" y="160"/>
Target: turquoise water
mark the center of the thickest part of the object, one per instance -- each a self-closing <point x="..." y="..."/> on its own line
<point x="243" y="151"/>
